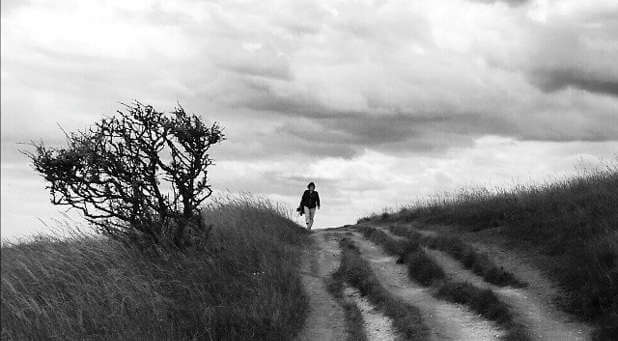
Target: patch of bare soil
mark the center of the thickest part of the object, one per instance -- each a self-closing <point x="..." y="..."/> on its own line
<point x="326" y="319"/>
<point x="446" y="321"/>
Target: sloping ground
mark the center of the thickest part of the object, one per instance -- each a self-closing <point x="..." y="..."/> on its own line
<point x="239" y="282"/>
<point x="568" y="228"/>
<point x="446" y="321"/>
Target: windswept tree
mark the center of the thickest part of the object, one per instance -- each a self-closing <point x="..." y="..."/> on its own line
<point x="141" y="173"/>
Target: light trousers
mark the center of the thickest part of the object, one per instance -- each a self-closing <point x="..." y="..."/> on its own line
<point x="309" y="214"/>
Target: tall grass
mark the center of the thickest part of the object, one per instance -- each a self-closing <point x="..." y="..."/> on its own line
<point x="574" y="222"/>
<point x="241" y="283"/>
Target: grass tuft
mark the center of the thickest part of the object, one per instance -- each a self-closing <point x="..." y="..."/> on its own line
<point x="423" y="269"/>
<point x="478" y="262"/>
<point x="481" y="301"/>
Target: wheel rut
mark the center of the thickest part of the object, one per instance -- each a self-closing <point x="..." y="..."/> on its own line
<point x="531" y="306"/>
<point x="326" y="319"/>
<point x="445" y="320"/>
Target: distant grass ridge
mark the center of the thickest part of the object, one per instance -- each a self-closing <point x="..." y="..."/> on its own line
<point x="479" y="263"/>
<point x="425" y="271"/>
<point x="241" y="283"/>
<point x="574" y="222"/>
<point x="357" y="272"/>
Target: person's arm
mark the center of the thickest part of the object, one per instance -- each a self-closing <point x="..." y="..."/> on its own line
<point x="317" y="199"/>
<point x="302" y="199"/>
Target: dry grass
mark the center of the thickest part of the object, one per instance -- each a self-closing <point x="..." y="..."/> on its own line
<point x="242" y="283"/>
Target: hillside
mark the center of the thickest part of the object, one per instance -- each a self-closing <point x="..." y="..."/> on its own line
<point x="568" y="230"/>
<point x="243" y="282"/>
<point x="534" y="263"/>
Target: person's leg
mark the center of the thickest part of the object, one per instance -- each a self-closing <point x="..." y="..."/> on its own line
<point x="308" y="218"/>
<point x="311" y="215"/>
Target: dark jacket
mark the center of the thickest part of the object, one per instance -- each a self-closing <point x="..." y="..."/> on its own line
<point x="310" y="199"/>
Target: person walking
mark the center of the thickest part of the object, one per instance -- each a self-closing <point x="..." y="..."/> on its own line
<point x="309" y="202"/>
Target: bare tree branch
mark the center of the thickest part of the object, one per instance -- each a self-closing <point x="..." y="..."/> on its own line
<point x="138" y="172"/>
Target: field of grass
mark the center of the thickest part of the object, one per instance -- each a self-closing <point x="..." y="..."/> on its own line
<point x="241" y="283"/>
<point x="573" y="223"/>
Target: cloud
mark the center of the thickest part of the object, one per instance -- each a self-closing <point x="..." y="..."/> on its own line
<point x="312" y="88"/>
<point x="509" y="2"/>
<point x="555" y="80"/>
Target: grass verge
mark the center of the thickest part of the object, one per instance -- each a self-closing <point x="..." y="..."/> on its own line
<point x="356" y="271"/>
<point x="241" y="283"/>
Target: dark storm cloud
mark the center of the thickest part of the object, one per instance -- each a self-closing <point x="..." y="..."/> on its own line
<point x="311" y="127"/>
<point x="385" y="96"/>
<point x="260" y="95"/>
<point x="559" y="79"/>
<point x="349" y="134"/>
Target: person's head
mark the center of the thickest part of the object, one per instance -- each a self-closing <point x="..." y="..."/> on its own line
<point x="311" y="186"/>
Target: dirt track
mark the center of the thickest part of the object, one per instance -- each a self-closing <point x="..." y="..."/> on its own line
<point x="326" y="320"/>
<point x="531" y="306"/>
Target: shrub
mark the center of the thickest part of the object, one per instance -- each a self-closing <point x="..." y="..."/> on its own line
<point x="139" y="174"/>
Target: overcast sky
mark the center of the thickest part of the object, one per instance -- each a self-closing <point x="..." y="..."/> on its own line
<point x="379" y="102"/>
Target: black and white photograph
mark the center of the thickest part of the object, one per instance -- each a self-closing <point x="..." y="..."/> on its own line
<point x="309" y="170"/>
